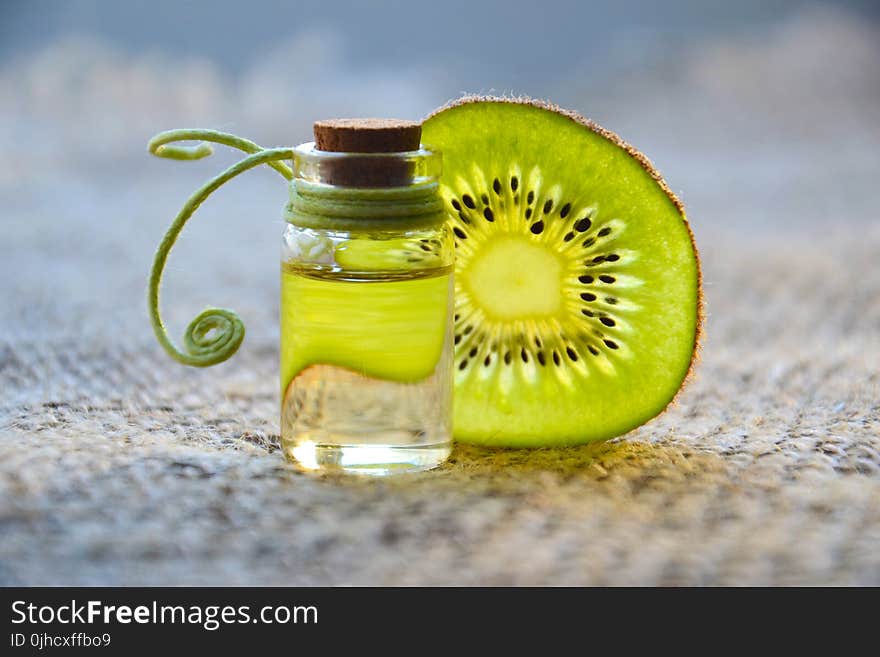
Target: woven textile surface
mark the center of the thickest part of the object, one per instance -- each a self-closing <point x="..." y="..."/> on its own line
<point x="118" y="466"/>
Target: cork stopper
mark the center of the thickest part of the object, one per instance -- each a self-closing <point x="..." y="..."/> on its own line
<point x="367" y="135"/>
<point x="371" y="137"/>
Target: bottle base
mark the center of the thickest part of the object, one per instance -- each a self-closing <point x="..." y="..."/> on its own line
<point x="375" y="460"/>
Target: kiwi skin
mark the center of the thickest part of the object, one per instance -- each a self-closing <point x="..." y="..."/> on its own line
<point x="647" y="165"/>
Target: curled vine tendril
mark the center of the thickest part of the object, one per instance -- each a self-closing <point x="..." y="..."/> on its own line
<point x="216" y="333"/>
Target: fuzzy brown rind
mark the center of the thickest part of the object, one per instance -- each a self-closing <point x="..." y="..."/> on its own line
<point x="649" y="168"/>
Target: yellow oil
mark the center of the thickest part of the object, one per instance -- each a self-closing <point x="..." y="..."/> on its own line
<point x="366" y="368"/>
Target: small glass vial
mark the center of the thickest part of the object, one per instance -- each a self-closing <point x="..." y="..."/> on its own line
<point x="366" y="303"/>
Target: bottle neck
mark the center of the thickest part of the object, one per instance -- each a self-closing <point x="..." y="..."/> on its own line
<point x="365" y="170"/>
<point x="317" y="205"/>
<point x="364" y="191"/>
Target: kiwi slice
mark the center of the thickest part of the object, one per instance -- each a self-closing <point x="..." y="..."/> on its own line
<point x="577" y="282"/>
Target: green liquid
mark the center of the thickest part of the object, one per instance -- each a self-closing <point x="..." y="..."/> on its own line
<point x="383" y="325"/>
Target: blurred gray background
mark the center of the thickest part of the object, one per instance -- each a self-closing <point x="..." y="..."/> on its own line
<point x="763" y="115"/>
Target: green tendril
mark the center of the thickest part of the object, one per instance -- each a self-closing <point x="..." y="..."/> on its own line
<point x="216" y="333"/>
<point x="160" y="146"/>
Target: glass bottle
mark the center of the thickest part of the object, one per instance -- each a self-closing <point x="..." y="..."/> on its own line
<point x="366" y="303"/>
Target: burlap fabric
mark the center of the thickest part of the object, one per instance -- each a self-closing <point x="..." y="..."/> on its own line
<point x="118" y="466"/>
